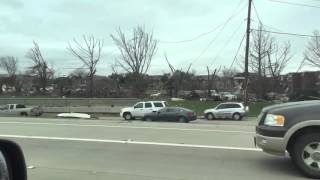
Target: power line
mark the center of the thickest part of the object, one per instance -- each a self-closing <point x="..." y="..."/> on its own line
<point x="285" y="33"/>
<point x="194" y="38"/>
<point x="235" y="57"/>
<point x="205" y="33"/>
<point x="227" y="43"/>
<point x="295" y="4"/>
<point x="268" y="26"/>
<point x="257" y="14"/>
<point x="215" y="38"/>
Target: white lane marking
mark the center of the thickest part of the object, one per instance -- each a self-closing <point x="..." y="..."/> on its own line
<point x="130" y="142"/>
<point x="129" y="127"/>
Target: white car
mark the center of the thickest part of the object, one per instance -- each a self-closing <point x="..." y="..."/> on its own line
<point x="142" y="108"/>
<point x="19" y="109"/>
<point x="230" y="110"/>
<point x="228" y="96"/>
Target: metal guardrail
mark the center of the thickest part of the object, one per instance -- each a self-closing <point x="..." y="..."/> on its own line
<point x="70" y="102"/>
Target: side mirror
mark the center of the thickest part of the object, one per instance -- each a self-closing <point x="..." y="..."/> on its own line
<point x="12" y="163"/>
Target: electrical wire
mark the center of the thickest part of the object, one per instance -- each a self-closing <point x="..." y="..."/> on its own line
<point x="295" y="4"/>
<point x="205" y="33"/>
<point x="238" y="50"/>
<point x="227" y="43"/>
<point x="268" y="26"/>
<point x="215" y="38"/>
<point x="286" y="33"/>
<point x="257" y="14"/>
<point x="192" y="39"/>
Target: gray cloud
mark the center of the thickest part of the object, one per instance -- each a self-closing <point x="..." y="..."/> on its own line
<point x="12" y="3"/>
<point x="54" y="23"/>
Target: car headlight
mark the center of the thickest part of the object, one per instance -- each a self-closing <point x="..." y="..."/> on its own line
<point x="274" y="120"/>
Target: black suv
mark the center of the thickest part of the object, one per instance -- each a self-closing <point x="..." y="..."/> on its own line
<point x="295" y="128"/>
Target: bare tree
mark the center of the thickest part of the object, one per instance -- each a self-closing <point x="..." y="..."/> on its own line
<point x="259" y="49"/>
<point x="226" y="77"/>
<point x="116" y="78"/>
<point x="90" y="54"/>
<point x="9" y="64"/>
<point x="136" y="53"/>
<point x="278" y="59"/>
<point x="40" y="67"/>
<point x="312" y="53"/>
<point x="211" y="78"/>
<point x="261" y="45"/>
<point x="176" y="78"/>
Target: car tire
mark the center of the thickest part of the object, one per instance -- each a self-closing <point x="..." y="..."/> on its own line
<point x="306" y="154"/>
<point x="148" y="119"/>
<point x="23" y="114"/>
<point x="236" y="116"/>
<point x="182" y="119"/>
<point x="127" y="116"/>
<point x="210" y="116"/>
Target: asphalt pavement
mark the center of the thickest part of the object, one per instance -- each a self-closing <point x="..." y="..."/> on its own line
<point x="111" y="148"/>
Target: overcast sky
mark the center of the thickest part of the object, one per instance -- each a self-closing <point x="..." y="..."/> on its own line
<point x="53" y="23"/>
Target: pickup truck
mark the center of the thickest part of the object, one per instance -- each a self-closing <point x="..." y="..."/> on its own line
<point x="142" y="108"/>
<point x="294" y="128"/>
<point x="19" y="109"/>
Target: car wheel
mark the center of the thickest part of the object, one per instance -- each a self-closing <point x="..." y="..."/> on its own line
<point x="306" y="154"/>
<point x="210" y="116"/>
<point x="236" y="116"/>
<point x="183" y="119"/>
<point x="148" y="119"/>
<point x="127" y="116"/>
<point x="24" y="114"/>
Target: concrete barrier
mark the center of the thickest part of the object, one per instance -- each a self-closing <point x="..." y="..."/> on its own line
<point x="84" y="109"/>
<point x="73" y="102"/>
<point x="81" y="105"/>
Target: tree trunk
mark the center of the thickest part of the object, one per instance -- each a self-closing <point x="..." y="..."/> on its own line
<point x="91" y="86"/>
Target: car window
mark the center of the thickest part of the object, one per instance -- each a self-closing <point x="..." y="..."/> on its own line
<point x="232" y="106"/>
<point x="172" y="110"/>
<point x="158" y="104"/>
<point x="222" y="106"/>
<point x="11" y="106"/>
<point x="163" y="110"/>
<point x="139" y="105"/>
<point x="147" y="105"/>
<point x="20" y="106"/>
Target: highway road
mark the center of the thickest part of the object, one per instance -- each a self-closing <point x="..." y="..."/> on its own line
<point x="116" y="149"/>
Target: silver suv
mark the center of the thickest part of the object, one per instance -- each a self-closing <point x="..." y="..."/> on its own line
<point x="142" y="108"/>
<point x="229" y="110"/>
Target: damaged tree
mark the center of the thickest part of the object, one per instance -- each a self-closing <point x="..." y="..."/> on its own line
<point x="40" y="68"/>
<point x="9" y="65"/>
<point x="312" y="53"/>
<point x="136" y="54"/>
<point x="278" y="59"/>
<point x="89" y="52"/>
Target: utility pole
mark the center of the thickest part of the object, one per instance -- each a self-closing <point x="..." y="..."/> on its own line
<point x="246" y="64"/>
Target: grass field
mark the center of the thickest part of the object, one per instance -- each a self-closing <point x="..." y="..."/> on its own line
<point x="199" y="106"/>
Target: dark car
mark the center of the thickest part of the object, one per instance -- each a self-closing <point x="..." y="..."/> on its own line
<point x="171" y="114"/>
<point x="295" y="128"/>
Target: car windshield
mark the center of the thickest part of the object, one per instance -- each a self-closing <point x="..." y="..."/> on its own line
<point x="160" y="89"/>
